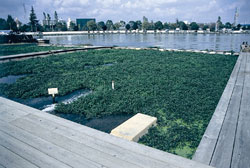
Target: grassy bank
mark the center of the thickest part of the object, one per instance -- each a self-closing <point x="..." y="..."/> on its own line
<point x="180" y="89"/>
<point x="12" y="49"/>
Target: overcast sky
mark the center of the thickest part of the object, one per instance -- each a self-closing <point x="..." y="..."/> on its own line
<point x="164" y="10"/>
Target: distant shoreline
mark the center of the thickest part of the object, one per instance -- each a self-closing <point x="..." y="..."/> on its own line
<point x="132" y="32"/>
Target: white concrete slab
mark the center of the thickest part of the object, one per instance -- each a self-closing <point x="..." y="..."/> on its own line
<point x="134" y="128"/>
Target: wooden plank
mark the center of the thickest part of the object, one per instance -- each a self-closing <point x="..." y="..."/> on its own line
<point x="9" y="114"/>
<point x="98" y="144"/>
<point x="235" y="71"/>
<point x="9" y="159"/>
<point x="241" y="155"/>
<point x="126" y="145"/>
<point x="208" y="142"/>
<point x="48" y="148"/>
<point x="17" y="106"/>
<point x="224" y="148"/>
<point x="1" y="166"/>
<point x="134" y="147"/>
<point x="70" y="145"/>
<point x="29" y="153"/>
<point x="241" y="75"/>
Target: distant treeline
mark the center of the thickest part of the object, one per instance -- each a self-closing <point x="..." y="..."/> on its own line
<point x="60" y="25"/>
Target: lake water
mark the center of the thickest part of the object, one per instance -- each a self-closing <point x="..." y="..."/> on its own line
<point x="221" y="42"/>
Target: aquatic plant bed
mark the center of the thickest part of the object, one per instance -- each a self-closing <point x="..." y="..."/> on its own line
<point x="12" y="49"/>
<point x="181" y="89"/>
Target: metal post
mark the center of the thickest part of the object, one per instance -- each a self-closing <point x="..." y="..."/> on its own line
<point x="54" y="98"/>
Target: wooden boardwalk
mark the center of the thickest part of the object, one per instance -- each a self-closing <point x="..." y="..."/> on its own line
<point x="32" y="138"/>
<point x="226" y="142"/>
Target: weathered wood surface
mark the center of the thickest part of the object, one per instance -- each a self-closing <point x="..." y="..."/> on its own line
<point x="226" y="142"/>
<point x="32" y="138"/>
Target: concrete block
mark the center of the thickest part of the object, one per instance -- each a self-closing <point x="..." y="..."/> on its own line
<point x="135" y="127"/>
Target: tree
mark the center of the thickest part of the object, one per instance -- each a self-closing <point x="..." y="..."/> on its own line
<point x="61" y="26"/>
<point x="91" y="25"/>
<point x="228" y="25"/>
<point x="117" y="25"/>
<point x="72" y="26"/>
<point x="133" y="25"/>
<point x="33" y="20"/>
<point x="238" y="27"/>
<point x="177" y="23"/>
<point x="151" y="25"/>
<point x="166" y="25"/>
<point x="205" y="27"/>
<point x="139" y="24"/>
<point x="145" y="25"/>
<point x="109" y="24"/>
<point x="212" y="27"/>
<point x="183" y="25"/>
<point x="3" y="24"/>
<point x="101" y="26"/>
<point x="49" y="19"/>
<point x="122" y="23"/>
<point x="172" y="26"/>
<point x="56" y="17"/>
<point x="194" y="26"/>
<point x="158" y="25"/>
<point x="127" y="26"/>
<point x="25" y="28"/>
<point x="219" y="24"/>
<point x="44" y="16"/>
<point x="11" y="24"/>
<point x="144" y="19"/>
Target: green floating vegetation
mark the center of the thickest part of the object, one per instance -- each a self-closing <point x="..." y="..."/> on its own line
<point x="181" y="89"/>
<point x="12" y="49"/>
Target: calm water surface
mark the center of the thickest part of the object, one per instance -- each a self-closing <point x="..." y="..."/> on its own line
<point x="222" y="42"/>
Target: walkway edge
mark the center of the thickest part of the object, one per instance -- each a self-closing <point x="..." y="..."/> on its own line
<point x="205" y="150"/>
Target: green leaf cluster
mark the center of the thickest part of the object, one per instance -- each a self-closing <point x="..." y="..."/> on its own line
<point x="181" y="89"/>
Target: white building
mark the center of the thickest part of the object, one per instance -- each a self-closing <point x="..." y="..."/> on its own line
<point x="68" y="23"/>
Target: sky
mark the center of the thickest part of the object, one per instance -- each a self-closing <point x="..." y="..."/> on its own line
<point x="201" y="11"/>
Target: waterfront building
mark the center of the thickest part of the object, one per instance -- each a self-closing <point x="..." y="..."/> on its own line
<point x="68" y="23"/>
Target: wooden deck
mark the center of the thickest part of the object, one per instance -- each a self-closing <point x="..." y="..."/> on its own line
<point x="32" y="138"/>
<point x="226" y="142"/>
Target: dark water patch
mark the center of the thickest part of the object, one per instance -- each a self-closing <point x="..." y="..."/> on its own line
<point x="11" y="79"/>
<point x="45" y="103"/>
<point x="105" y="124"/>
